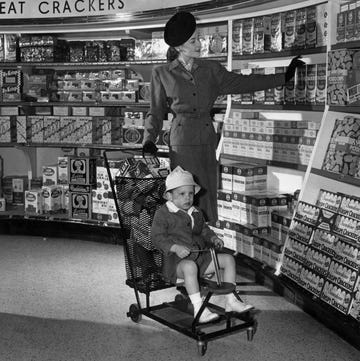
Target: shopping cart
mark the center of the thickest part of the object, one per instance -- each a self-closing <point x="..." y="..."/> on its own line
<point x="136" y="200"/>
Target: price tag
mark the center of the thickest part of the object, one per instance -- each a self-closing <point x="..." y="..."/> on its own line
<point x="79" y="111"/>
<point x="60" y="110"/>
<point x="97" y="112"/>
<point x="9" y="111"/>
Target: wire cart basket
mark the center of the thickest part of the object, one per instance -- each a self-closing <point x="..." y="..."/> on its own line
<point x="136" y="200"/>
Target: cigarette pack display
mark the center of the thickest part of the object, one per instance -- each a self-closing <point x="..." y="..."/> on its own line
<point x="82" y="170"/>
<point x="289" y="29"/>
<point x="80" y="205"/>
<point x="300" y="28"/>
<point x="324" y="241"/>
<point x="248" y="36"/>
<point x="312" y="281"/>
<point x="347" y="252"/>
<point x="336" y="296"/>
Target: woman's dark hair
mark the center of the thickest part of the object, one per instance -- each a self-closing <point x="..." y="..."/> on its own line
<point x="171" y="54"/>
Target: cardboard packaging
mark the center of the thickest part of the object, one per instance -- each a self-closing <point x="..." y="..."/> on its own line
<point x="82" y="170"/>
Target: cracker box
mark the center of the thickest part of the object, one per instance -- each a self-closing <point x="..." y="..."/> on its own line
<point x="350" y="22"/>
<point x="259" y="215"/>
<point x="324" y="241"/>
<point x="300" y="28"/>
<point x="62" y="170"/>
<point x="317" y="260"/>
<point x="341" y="23"/>
<point x="300" y="231"/>
<point x="349" y="206"/>
<point x="237" y="37"/>
<point x="262" y="37"/>
<point x="320" y="84"/>
<point x="295" y="249"/>
<point x="80" y="205"/>
<point x="51" y="196"/>
<point x="312" y="281"/>
<point x="33" y="201"/>
<point x="229" y="237"/>
<point x="50" y="175"/>
<point x="307" y="212"/>
<point x="243" y="177"/>
<point x="336" y="296"/>
<point x="248" y="36"/>
<point x="310" y="83"/>
<point x="291" y="268"/>
<point x="226" y="177"/>
<point x="289" y="29"/>
<point x="300" y="85"/>
<point x="347" y="227"/>
<point x="329" y="200"/>
<point x="344" y="276"/>
<point x="2" y="205"/>
<point x="82" y="170"/>
<point x="279" y="91"/>
<point x="311" y="31"/>
<point x="276" y="36"/>
<point x="347" y="252"/>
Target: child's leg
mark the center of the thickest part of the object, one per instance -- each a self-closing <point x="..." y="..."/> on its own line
<point x="188" y="270"/>
<point x="228" y="265"/>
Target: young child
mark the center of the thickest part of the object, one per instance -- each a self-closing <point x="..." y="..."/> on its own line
<point x="179" y="231"/>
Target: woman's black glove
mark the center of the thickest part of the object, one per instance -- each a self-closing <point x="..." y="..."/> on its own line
<point x="150" y="147"/>
<point x="295" y="63"/>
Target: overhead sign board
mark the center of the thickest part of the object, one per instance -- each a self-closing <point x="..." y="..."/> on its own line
<point x="37" y="9"/>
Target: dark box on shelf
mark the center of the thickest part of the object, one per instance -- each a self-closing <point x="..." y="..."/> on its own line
<point x="82" y="170"/>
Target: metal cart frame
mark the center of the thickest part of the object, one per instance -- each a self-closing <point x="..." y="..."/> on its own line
<point x="143" y="267"/>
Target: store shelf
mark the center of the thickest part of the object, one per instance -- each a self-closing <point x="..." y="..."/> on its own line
<point x="72" y="104"/>
<point x="281" y="54"/>
<point x="346" y="45"/>
<point x="17" y="212"/>
<point x="297" y="107"/>
<point x="345" y="109"/>
<point x="273" y="163"/>
<point x="336" y="176"/>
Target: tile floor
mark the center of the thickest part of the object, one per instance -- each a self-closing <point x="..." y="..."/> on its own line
<point x="66" y="300"/>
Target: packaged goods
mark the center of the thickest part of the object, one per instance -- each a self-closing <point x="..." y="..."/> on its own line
<point x="317" y="260"/>
<point x="237" y="37"/>
<point x="329" y="200"/>
<point x="279" y="95"/>
<point x="300" y="28"/>
<point x="347" y="227"/>
<point x="347" y="252"/>
<point x="349" y="206"/>
<point x="312" y="281"/>
<point x="350" y="21"/>
<point x="326" y="220"/>
<point x="300" y="85"/>
<point x="276" y="41"/>
<point x="262" y="37"/>
<point x="10" y="51"/>
<point x="310" y="83"/>
<point x="291" y="268"/>
<point x="343" y="275"/>
<point x="324" y="241"/>
<point x="336" y="296"/>
<point x="49" y="175"/>
<point x="248" y="36"/>
<point x="18" y="187"/>
<point x="289" y="29"/>
<point x="311" y="27"/>
<point x="80" y="205"/>
<point x="51" y="196"/>
<point x="82" y="170"/>
<point x="300" y="231"/>
<point x="217" y="40"/>
<point x="307" y="212"/>
<point x="33" y="201"/>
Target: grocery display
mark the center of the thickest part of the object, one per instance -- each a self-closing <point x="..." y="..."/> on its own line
<point x="83" y="97"/>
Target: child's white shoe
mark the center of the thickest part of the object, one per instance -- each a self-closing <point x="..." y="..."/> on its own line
<point x="207" y="316"/>
<point x="234" y="305"/>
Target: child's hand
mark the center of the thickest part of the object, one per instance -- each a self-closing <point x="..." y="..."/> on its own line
<point x="218" y="243"/>
<point x="181" y="251"/>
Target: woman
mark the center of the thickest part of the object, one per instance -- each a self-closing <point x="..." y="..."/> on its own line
<point x="189" y="86"/>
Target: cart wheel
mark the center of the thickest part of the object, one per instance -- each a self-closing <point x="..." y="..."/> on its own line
<point x="202" y="347"/>
<point x="134" y="313"/>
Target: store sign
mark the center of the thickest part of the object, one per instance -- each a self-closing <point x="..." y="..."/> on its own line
<point x="16" y="9"/>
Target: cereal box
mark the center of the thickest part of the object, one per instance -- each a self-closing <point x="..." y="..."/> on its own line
<point x="80" y="205"/>
<point x="33" y="201"/>
<point x="248" y="36"/>
<point x="51" y="196"/>
<point x="300" y="28"/>
<point x="341" y="23"/>
<point x="290" y="31"/>
<point x="300" y="85"/>
<point x="310" y="83"/>
<point x="237" y="37"/>
<point x="276" y="32"/>
<point x="320" y="83"/>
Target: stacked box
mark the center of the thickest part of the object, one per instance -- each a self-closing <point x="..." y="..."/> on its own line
<point x="21" y="126"/>
<point x="262" y="35"/>
<point x="33" y="201"/>
<point x="52" y="198"/>
<point x="226" y="177"/>
<point x="343" y="276"/>
<point x="229" y="235"/>
<point x="324" y="241"/>
<point x="336" y="296"/>
<point x="5" y="129"/>
<point x="62" y="170"/>
<point x="300" y="28"/>
<point x="82" y="170"/>
<point x="50" y="175"/>
<point x="300" y="85"/>
<point x="248" y="36"/>
<point x="312" y="281"/>
<point x="237" y="37"/>
<point x="311" y="27"/>
<point x="36" y="128"/>
<point x="341" y="23"/>
<point x="289" y="29"/>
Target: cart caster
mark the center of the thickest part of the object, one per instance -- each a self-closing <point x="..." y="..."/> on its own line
<point x="251" y="331"/>
<point x="202" y="347"/>
<point x="134" y="313"/>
